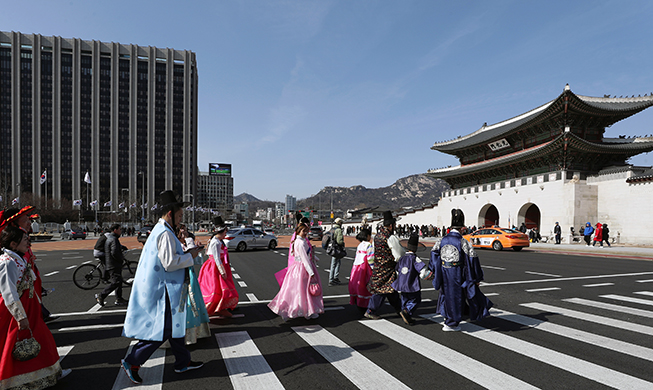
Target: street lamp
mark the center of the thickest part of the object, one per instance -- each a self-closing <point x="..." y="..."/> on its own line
<point x="142" y="197"/>
<point x="18" y="185"/>
<point x="126" y="201"/>
<point x="193" y="222"/>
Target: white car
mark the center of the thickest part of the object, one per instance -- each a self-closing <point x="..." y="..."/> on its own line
<point x="244" y="238"/>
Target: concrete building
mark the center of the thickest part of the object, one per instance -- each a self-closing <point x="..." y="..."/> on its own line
<point x="127" y="114"/>
<point x="215" y="192"/>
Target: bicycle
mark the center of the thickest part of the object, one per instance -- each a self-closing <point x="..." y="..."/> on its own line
<point x="88" y="276"/>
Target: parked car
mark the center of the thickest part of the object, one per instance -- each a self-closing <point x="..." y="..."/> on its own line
<point x="498" y="238"/>
<point x="73" y="234"/>
<point x="244" y="238"/>
<point x="270" y="231"/>
<point x="315" y="233"/>
<point x="143" y="234"/>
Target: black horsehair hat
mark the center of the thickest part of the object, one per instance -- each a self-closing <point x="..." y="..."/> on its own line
<point x="219" y="224"/>
<point x="168" y="200"/>
<point x="388" y="219"/>
<point x="413" y="240"/>
<point x="457" y="219"/>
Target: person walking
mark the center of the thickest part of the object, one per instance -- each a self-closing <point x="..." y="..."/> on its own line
<point x="114" y="261"/>
<point x="407" y="284"/>
<point x="606" y="235"/>
<point x="598" y="234"/>
<point x="387" y="250"/>
<point x="98" y="253"/>
<point x="301" y="292"/>
<point x="587" y="233"/>
<point x="338" y="240"/>
<point x="557" y="230"/>
<point x="457" y="274"/>
<point x="215" y="278"/>
<point x="361" y="271"/>
<point x="156" y="312"/>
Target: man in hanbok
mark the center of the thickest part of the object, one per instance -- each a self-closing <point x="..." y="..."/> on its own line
<point x="457" y="274"/>
<point x="156" y="310"/>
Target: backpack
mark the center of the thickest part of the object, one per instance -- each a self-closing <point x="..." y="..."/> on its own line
<point x="326" y="240"/>
<point x="99" y="245"/>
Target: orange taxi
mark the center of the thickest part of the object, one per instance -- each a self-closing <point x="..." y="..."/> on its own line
<point x="498" y="238"/>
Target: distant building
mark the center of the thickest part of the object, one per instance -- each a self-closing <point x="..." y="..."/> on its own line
<point x="71" y="106"/>
<point x="242" y="209"/>
<point x="215" y="192"/>
<point x="291" y="203"/>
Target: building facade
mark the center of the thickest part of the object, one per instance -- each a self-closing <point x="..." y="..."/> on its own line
<point x="127" y="114"/>
<point x="215" y="192"/>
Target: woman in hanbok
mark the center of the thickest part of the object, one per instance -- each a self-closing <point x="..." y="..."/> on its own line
<point x="20" y="318"/>
<point x="291" y="258"/>
<point x="197" y="318"/>
<point x="297" y="298"/>
<point x="215" y="278"/>
<point x="361" y="272"/>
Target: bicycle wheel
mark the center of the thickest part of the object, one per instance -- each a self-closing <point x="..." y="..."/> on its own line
<point x="87" y="276"/>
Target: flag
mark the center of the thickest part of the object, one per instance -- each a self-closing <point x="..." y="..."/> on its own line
<point x="155" y="206"/>
<point x="87" y="178"/>
<point x="189" y="208"/>
<point x="44" y="176"/>
<point x="144" y="206"/>
<point x="133" y="205"/>
<point x="15" y="201"/>
<point x="121" y="205"/>
<point x="108" y="204"/>
<point x="93" y="203"/>
<point x="77" y="202"/>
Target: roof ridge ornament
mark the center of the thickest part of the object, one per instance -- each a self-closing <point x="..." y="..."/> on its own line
<point x="567" y="87"/>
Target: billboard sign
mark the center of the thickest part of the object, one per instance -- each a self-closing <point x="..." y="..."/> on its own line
<point x="219" y="169"/>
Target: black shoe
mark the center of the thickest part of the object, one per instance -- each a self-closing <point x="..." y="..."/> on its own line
<point x="121" y="302"/>
<point x="191" y="366"/>
<point x="50" y="319"/>
<point x="406" y="317"/>
<point x="99" y="299"/>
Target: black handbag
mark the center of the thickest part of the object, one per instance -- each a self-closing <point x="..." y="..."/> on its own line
<point x="26" y="349"/>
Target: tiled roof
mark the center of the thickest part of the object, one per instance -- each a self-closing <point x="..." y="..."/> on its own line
<point x="644" y="176"/>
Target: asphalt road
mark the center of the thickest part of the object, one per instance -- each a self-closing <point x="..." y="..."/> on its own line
<point x="559" y="322"/>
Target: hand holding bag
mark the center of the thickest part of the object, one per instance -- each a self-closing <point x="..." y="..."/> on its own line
<point x="26" y="349"/>
<point x="314" y="288"/>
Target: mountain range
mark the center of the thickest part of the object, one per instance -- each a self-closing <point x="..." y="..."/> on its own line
<point x="411" y="191"/>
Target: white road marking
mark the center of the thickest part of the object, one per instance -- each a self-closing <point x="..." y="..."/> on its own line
<point x="73" y="257"/>
<point x="222" y="317"/>
<point x="628" y="299"/>
<point x="242" y="284"/>
<point x="362" y="372"/>
<point x="51" y="273"/>
<point x="252" y="297"/>
<point x="543" y="289"/>
<point x="334" y="308"/>
<point x="151" y="372"/>
<point x="84" y="313"/>
<point x="645" y="281"/>
<point x="491" y="294"/>
<point x="247" y="368"/>
<point x="236" y="276"/>
<point x="87" y="262"/>
<point x="69" y="253"/>
<point x="63" y="351"/>
<point x="568" y="363"/>
<point x="566" y="279"/>
<point x="90" y="327"/>
<point x="647" y="293"/>
<point x="542" y="274"/>
<point x="461" y="364"/>
<point x="609" y="306"/>
<point x="598" y="285"/>
<point x="578" y="335"/>
<point x="71" y="267"/>
<point x="491" y="267"/>
<point x="627" y="325"/>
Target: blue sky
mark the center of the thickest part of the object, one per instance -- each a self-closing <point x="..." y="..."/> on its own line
<point x="299" y="95"/>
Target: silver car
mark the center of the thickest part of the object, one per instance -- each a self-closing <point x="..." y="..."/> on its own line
<point x="246" y="238"/>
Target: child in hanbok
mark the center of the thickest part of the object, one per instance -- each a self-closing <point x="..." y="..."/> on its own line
<point x="215" y="278"/>
<point x="408" y="268"/>
<point x="197" y="318"/>
<point x="361" y="272"/>
<point x="301" y="292"/>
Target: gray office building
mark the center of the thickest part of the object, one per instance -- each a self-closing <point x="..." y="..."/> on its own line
<point x="216" y="192"/>
<point x="71" y="106"/>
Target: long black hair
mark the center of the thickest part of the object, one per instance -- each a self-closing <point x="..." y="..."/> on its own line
<point x="11" y="234"/>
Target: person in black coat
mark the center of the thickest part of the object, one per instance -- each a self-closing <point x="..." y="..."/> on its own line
<point x="114" y="261"/>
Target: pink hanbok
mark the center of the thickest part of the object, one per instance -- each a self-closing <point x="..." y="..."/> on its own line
<point x="360" y="276"/>
<point x="219" y="293"/>
<point x="291" y="259"/>
<point x="294" y="299"/>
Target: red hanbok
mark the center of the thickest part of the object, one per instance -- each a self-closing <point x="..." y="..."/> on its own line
<point x="21" y="296"/>
<point x="219" y="292"/>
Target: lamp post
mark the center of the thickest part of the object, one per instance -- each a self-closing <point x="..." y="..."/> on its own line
<point x="18" y="185"/>
<point x="142" y="197"/>
<point x="122" y="190"/>
<point x="193" y="222"/>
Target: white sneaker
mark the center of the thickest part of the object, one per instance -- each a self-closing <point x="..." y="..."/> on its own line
<point x="447" y="328"/>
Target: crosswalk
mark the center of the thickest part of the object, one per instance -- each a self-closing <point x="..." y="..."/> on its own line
<point x="596" y="328"/>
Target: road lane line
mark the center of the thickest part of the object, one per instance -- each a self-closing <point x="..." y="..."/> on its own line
<point x="83" y="313"/>
<point x="575" y="334"/>
<point x="69" y="253"/>
<point x="609" y="306"/>
<point x="332" y="308"/>
<point x="491" y="294"/>
<point x="643" y="329"/>
<point x="235" y="276"/>
<point x="245" y="364"/>
<point x="628" y="299"/>
<point x="648" y="293"/>
<point x="566" y="279"/>
<point x="461" y="364"/>
<point x="542" y="274"/>
<point x="598" y="285"/>
<point x="645" y="281"/>
<point x="90" y="327"/>
<point x="543" y="289"/>
<point x="361" y="371"/>
<point x="51" y="273"/>
<point x="568" y="363"/>
<point x="72" y="257"/>
<point x="151" y="372"/>
<point x="242" y="284"/>
<point x="491" y="267"/>
<point x="87" y="262"/>
<point x="94" y="308"/>
<point x="63" y="351"/>
<point x="71" y="267"/>
<point x="252" y="297"/>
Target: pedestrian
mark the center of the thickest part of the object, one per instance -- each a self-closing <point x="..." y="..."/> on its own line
<point x="156" y="312"/>
<point x="20" y="318"/>
<point x="387" y="251"/>
<point x="216" y="280"/>
<point x="557" y="230"/>
<point x="338" y="241"/>
<point x="457" y="274"/>
<point x="598" y="234"/>
<point x="361" y="271"/>
<point x="98" y="253"/>
<point x="301" y="292"/>
<point x="587" y="233"/>
<point x="291" y="259"/>
<point x="114" y="261"/>
<point x="523" y="227"/>
<point x="606" y="234"/>
<point x="407" y="284"/>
